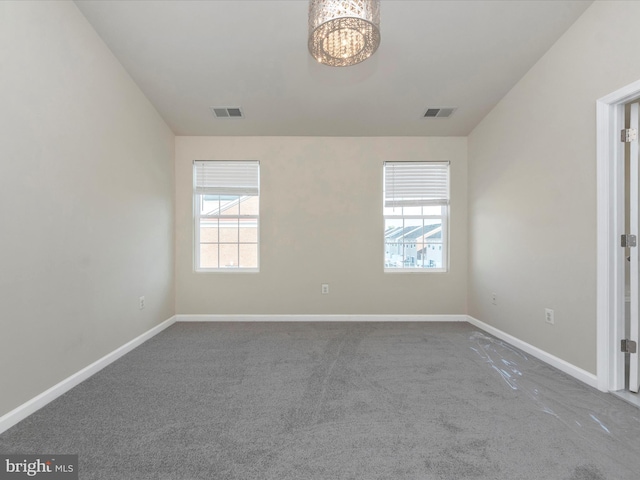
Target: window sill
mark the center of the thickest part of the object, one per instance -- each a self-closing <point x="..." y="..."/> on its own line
<point x="227" y="270"/>
<point x="415" y="270"/>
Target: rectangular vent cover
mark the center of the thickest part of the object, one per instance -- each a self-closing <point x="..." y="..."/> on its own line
<point x="227" y="112"/>
<point x="439" y="112"/>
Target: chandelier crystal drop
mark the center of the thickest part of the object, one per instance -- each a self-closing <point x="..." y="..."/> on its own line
<point x="343" y="32"/>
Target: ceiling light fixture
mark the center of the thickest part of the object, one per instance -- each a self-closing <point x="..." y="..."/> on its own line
<point x="343" y="32"/>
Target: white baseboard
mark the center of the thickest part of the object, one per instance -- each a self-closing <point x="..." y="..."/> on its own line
<point x="562" y="365"/>
<point x="320" y="318"/>
<point x="23" y="411"/>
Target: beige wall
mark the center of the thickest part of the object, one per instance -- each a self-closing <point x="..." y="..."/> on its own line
<point x="532" y="187"/>
<point x="86" y="201"/>
<point x="321" y="222"/>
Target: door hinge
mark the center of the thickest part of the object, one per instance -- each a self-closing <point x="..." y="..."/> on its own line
<point x="628" y="135"/>
<point x="627" y="240"/>
<point x="628" y="346"/>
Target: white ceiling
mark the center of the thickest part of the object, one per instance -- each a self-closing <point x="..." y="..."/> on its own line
<point x="187" y="56"/>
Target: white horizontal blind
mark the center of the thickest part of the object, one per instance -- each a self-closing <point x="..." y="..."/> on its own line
<point x="215" y="177"/>
<point x="412" y="184"/>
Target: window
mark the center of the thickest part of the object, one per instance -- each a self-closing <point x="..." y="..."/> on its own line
<point x="226" y="212"/>
<point x="416" y="211"/>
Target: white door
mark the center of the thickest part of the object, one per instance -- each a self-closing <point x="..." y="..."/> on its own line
<point x="634" y="278"/>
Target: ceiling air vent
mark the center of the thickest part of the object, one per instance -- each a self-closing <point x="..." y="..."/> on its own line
<point x="439" y="112"/>
<point x="227" y="112"/>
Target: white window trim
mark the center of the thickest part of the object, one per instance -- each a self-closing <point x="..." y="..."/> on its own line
<point x="196" y="234"/>
<point x="444" y="232"/>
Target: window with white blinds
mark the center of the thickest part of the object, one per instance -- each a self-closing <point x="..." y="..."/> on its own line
<point x="416" y="214"/>
<point x="226" y="213"/>
<point x="416" y="183"/>
<point x="226" y="177"/>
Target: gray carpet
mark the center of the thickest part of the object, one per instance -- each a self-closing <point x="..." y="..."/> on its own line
<point x="306" y="401"/>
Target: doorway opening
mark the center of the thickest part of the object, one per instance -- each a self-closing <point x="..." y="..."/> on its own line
<point x="615" y="216"/>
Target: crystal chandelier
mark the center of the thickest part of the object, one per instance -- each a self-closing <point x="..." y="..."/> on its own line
<point x="343" y="32"/>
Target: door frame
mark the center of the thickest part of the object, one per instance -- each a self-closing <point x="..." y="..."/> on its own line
<point x="610" y="281"/>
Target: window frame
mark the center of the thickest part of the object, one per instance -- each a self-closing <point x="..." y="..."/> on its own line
<point x="198" y="216"/>
<point x="444" y="218"/>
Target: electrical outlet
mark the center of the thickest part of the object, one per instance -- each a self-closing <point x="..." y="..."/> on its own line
<point x="325" y="289"/>
<point x="141" y="303"/>
<point x="549" y="317"/>
<point x="494" y="298"/>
